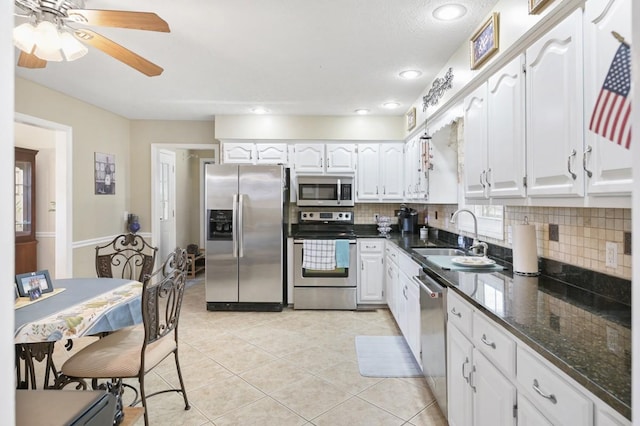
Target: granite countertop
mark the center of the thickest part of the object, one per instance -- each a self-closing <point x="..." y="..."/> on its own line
<point x="586" y="335"/>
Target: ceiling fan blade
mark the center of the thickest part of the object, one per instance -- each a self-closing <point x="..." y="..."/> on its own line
<point x="28" y="60"/>
<point x="118" y="52"/>
<point x="119" y="18"/>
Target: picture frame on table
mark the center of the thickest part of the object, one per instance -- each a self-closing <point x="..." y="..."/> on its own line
<point x="411" y="118"/>
<point x="34" y="284"/>
<point x="536" y="6"/>
<point x="485" y="41"/>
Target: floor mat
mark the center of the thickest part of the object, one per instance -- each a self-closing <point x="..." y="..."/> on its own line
<point x="385" y="356"/>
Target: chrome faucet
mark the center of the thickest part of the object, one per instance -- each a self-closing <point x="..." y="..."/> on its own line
<point x="476" y="243"/>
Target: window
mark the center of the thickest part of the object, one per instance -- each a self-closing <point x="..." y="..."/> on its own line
<point x="490" y="220"/>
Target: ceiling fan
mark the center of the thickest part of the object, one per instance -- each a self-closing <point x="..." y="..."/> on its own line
<point x="52" y="33"/>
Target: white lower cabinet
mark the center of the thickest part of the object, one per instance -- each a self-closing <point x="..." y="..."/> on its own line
<point x="403" y="295"/>
<point x="554" y="397"/>
<point x="495" y="379"/>
<point x="477" y="392"/>
<point x="371" y="272"/>
<point x="528" y="415"/>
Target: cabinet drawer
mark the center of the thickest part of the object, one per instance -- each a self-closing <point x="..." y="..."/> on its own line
<point x="408" y="265"/>
<point x="459" y="313"/>
<point x="371" y="245"/>
<point x="391" y="250"/>
<point x="550" y="393"/>
<point x="494" y="343"/>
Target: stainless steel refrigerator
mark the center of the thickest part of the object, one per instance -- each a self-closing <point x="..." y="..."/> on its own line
<point x="244" y="249"/>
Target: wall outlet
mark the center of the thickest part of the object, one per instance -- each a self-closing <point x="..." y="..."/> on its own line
<point x="126" y="216"/>
<point x="375" y="217"/>
<point x="611" y="257"/>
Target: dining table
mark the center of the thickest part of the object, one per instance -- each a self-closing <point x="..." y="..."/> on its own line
<point x="77" y="307"/>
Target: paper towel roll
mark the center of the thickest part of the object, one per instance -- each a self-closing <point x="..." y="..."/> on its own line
<point x="525" y="250"/>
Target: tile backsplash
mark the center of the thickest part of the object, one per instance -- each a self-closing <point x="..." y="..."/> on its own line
<point x="581" y="238"/>
<point x="582" y="233"/>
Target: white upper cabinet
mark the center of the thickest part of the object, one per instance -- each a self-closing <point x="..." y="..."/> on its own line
<point x="554" y="111"/>
<point x="271" y="153"/>
<point x="391" y="160"/>
<point x="506" y="131"/>
<point x="318" y="158"/>
<point x="475" y="143"/>
<point x="368" y="172"/>
<point x="607" y="161"/>
<point x="415" y="179"/>
<point x="380" y="171"/>
<point x="254" y="153"/>
<point x="494" y="135"/>
<point x="238" y="153"/>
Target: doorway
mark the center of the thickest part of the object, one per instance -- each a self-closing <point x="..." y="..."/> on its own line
<point x="55" y="139"/>
<point x="189" y="216"/>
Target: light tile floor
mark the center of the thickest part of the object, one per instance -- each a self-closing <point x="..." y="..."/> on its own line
<point x="281" y="368"/>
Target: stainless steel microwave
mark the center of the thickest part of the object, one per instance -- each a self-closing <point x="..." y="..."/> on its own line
<point x="325" y="191"/>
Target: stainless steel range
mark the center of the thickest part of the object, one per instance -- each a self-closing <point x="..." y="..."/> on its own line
<point x="325" y="287"/>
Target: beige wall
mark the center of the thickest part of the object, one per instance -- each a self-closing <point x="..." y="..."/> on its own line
<point x="147" y="132"/>
<point x="94" y="130"/>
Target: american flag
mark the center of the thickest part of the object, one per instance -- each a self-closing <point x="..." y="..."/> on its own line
<point x="610" y="117"/>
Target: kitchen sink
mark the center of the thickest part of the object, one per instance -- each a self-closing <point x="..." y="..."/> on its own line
<point x="439" y="251"/>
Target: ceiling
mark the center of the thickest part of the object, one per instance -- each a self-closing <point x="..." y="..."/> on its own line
<point x="293" y="57"/>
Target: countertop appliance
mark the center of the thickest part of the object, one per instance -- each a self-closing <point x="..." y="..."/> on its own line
<point x="433" y="337"/>
<point x="244" y="248"/>
<point x="408" y="220"/>
<point x="325" y="191"/>
<point x="324" y="289"/>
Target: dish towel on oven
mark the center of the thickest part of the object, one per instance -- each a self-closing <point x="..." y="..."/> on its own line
<point x="319" y="254"/>
<point x="342" y="253"/>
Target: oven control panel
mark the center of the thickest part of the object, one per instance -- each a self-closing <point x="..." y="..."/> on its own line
<point x="322" y="216"/>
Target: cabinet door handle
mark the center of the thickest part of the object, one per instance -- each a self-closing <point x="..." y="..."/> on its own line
<point x="551" y="397"/>
<point x="376" y="189"/>
<point x="466" y="378"/>
<point x="481" y="181"/>
<point x="573" y="154"/>
<point x="487" y="342"/>
<point x="384" y="190"/>
<point x="489" y="178"/>
<point x="456" y="313"/>
<point x="473" y="370"/>
<point x="584" y="160"/>
<point x="361" y="265"/>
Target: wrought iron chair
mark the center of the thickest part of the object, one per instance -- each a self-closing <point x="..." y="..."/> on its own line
<point x="127" y="256"/>
<point x="134" y="351"/>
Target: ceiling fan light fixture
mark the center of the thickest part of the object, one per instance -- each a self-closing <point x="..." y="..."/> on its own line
<point x="48" y="42"/>
<point x="24" y="37"/>
<point x="71" y="47"/>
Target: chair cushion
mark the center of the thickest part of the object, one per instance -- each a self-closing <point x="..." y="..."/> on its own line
<point x="118" y="355"/>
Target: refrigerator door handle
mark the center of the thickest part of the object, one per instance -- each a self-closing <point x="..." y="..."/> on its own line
<point x="240" y="225"/>
<point x="234" y="225"/>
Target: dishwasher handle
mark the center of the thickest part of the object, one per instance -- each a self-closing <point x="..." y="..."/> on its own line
<point x="429" y="286"/>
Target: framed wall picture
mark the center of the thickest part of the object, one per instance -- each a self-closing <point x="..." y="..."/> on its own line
<point x="484" y="43"/>
<point x="536" y="6"/>
<point x="33" y="284"/>
<point x="105" y="173"/>
<point x="411" y="118"/>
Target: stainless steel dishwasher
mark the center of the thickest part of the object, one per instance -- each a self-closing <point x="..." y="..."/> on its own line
<point x="433" y="337"/>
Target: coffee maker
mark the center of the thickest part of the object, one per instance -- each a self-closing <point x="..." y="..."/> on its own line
<point x="408" y="220"/>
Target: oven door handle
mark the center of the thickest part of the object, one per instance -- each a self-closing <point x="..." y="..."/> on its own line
<point x="339" y="191"/>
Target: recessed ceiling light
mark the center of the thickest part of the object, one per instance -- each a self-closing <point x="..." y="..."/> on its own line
<point x="259" y="110"/>
<point x="410" y="74"/>
<point x="362" y="111"/>
<point x="391" y="105"/>
<point x="449" y="12"/>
